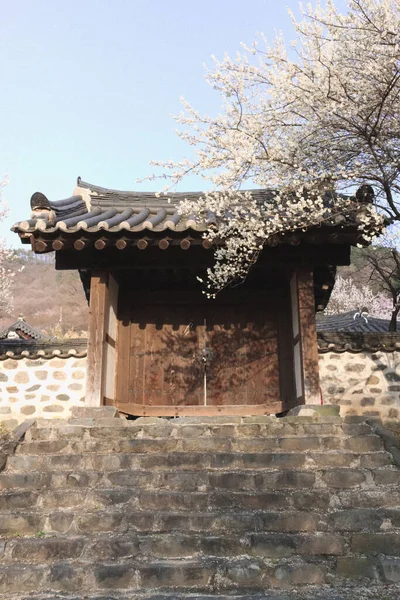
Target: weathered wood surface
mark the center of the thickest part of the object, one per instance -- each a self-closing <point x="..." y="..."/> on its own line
<point x="198" y="357"/>
<point x="96" y="338"/>
<point x="308" y="336"/>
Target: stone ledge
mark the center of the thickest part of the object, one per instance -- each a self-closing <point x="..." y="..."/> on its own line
<point x="357" y="342"/>
<point x="391" y="441"/>
<point x="58" y="348"/>
<point x="10" y="441"/>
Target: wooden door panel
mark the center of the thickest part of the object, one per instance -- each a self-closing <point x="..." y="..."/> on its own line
<point x="165" y="364"/>
<point x="204" y="357"/>
<point x="242" y="366"/>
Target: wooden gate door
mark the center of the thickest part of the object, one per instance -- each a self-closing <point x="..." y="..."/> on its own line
<point x="187" y="359"/>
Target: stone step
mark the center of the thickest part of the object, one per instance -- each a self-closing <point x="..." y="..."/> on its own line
<point x="189" y="480"/>
<point x="196" y="461"/>
<point x="127" y="498"/>
<point x="128" y="429"/>
<point x="201" y="575"/>
<point x="365" y="590"/>
<point x="141" y="546"/>
<point x="359" y="444"/>
<point x="243" y="513"/>
<point x="144" y="546"/>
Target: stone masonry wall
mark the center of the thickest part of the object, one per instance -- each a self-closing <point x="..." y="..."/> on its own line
<point x="360" y="374"/>
<point x="365" y="383"/>
<point x="40" y="387"/>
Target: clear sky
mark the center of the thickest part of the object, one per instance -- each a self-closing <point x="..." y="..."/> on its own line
<point x="88" y="86"/>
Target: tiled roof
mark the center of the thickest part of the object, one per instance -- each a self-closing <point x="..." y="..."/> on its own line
<point x="356" y="341"/>
<point x="95" y="211"/>
<point x="22" y="325"/>
<point x="17" y="349"/>
<point x="352" y="321"/>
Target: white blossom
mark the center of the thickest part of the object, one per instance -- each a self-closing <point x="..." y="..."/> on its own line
<point x="6" y="274"/>
<point x="320" y="117"/>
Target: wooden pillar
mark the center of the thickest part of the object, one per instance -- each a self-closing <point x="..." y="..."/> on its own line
<point x="308" y="337"/>
<point x="109" y="365"/>
<point x="98" y="309"/>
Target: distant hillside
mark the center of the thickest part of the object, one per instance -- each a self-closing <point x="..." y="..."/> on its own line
<point x="53" y="301"/>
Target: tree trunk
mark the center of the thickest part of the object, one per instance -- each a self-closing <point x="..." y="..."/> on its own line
<point x="393" y="320"/>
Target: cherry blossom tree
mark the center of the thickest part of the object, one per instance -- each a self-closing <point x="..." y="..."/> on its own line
<point x="6" y="274"/>
<point x="315" y="119"/>
<point x="347" y="296"/>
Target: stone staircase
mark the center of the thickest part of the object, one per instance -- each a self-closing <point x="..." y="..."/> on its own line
<point x="200" y="508"/>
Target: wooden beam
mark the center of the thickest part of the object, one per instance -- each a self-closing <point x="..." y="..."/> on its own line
<point x="179" y="411"/>
<point x="206" y="244"/>
<point x="100" y="244"/>
<point x="40" y="246"/>
<point x="98" y="309"/>
<point x="185" y="244"/>
<point x="142" y="244"/>
<point x="57" y="245"/>
<point x="121" y="244"/>
<point x="308" y="336"/>
<point x="79" y="244"/>
<point x="163" y="244"/>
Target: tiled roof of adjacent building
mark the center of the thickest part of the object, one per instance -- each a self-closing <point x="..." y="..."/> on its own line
<point x="22" y="330"/>
<point x="352" y="321"/>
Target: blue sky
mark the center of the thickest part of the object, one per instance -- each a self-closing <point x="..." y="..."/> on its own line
<point x="88" y="86"/>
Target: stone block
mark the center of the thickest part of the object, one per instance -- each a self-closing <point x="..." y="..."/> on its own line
<point x="299" y="443"/>
<point x="41" y="375"/>
<point x="46" y="549"/>
<point x="391" y="569"/>
<point x="174" y="546"/>
<point x="304" y="500"/>
<point x="356" y="568"/>
<point x="357" y="520"/>
<point x="65" y="577"/>
<point x="28" y="410"/>
<point x="245" y="574"/>
<point x="375" y="543"/>
<point x="10" y="364"/>
<point x="169" y="575"/>
<point x="376" y="459"/>
<point x="387" y="476"/>
<point x="114" y="576"/>
<point x="100" y="522"/>
<point x="299" y="575"/>
<point x="59" y="522"/>
<point x="363" y="443"/>
<point x="20" y="579"/>
<point x="273" y="545"/>
<point x="93" y="412"/>
<point x="343" y="478"/>
<point x="17" y="524"/>
<point x="112" y="549"/>
<point x="221" y="546"/>
<point x="18" y="499"/>
<point x="53" y="408"/>
<point x="250" y="501"/>
<point x="321" y="544"/>
<point x="291" y="521"/>
<point x="34" y="480"/>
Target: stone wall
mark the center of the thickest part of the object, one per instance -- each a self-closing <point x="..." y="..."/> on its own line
<point x="41" y="380"/>
<point x="361" y="373"/>
<point x="358" y="372"/>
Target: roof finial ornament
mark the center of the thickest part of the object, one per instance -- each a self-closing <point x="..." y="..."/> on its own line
<point x="39" y="202"/>
<point x="363" y="313"/>
<point x="365" y="194"/>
